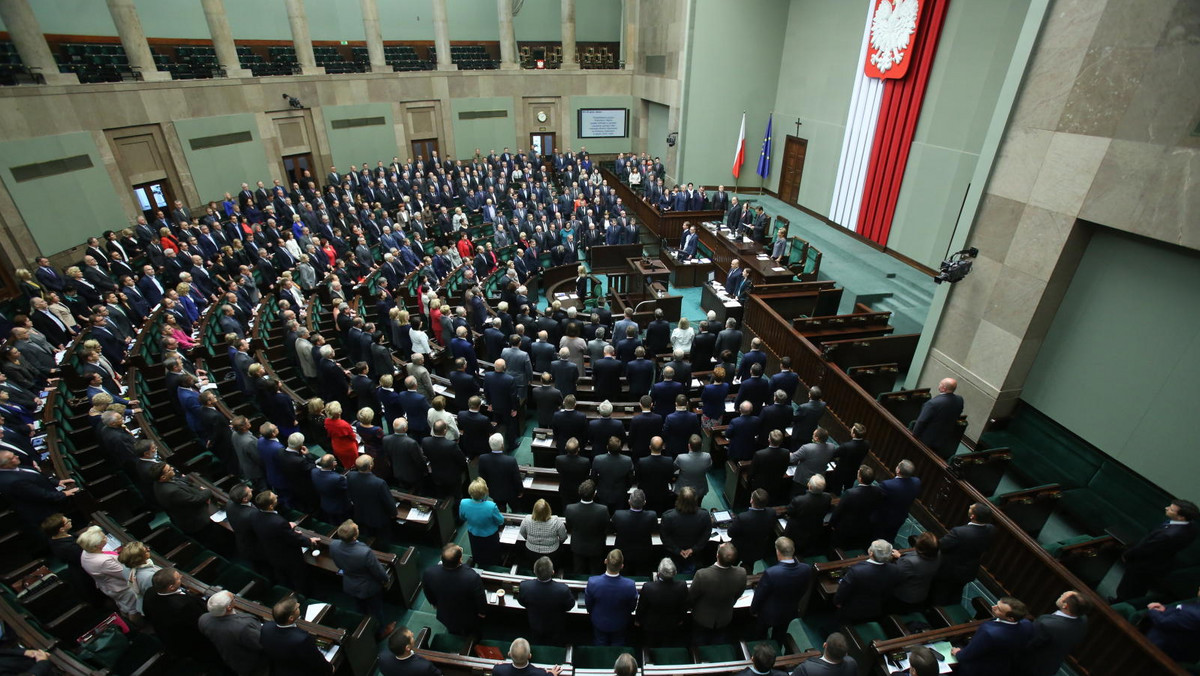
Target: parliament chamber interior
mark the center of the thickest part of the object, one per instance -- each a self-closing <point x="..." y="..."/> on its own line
<point x="666" y="337"/>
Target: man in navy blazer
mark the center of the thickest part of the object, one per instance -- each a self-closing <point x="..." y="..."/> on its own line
<point x="994" y="646"/>
<point x="374" y="506"/>
<point x="606" y="375"/>
<point x="743" y="433"/>
<point x="754" y="356"/>
<point x="416" y="408"/>
<point x="679" y="426"/>
<point x="664" y="393"/>
<point x="863" y="589"/>
<point x="288" y="648"/>
<point x="689" y="243"/>
<point x="601" y="429"/>
<point x="610" y="600"/>
<point x="31" y="494"/>
<point x="755" y="390"/>
<point x="500" y="388"/>
<point x="568" y="423"/>
<point x="1174" y="629"/>
<point x="547" y="603"/>
<point x="937" y="424"/>
<point x="1153" y="556"/>
<point x="786" y="379"/>
<point x="642" y="428"/>
<point x="898" y="496"/>
<point x="460" y="347"/>
<point x="780" y="590"/>
<point x="363" y="576"/>
<point x="639" y="374"/>
<point x="960" y="551"/>
<point x="332" y="490"/>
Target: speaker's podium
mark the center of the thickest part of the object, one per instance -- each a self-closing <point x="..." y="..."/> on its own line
<point x="643" y="287"/>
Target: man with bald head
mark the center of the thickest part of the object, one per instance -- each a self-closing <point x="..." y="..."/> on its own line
<point x="937" y="426"/>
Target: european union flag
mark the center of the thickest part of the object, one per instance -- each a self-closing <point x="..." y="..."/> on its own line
<point x="764" y="157"/>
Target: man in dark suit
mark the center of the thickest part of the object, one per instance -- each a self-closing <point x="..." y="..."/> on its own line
<point x="806" y="516"/>
<point x="502" y="474"/>
<point x="937" y="425"/>
<point x="851" y="519"/>
<point x="573" y="469"/>
<point x="680" y="426"/>
<point x="665" y="393"/>
<point x="655" y="473"/>
<point x="713" y="592"/>
<point x="374" y="506"/>
<point x="730" y="339"/>
<point x="447" y="464"/>
<point x="613" y="474"/>
<point x="704" y="347"/>
<point x="569" y="424"/>
<point x="762" y="661"/>
<point x="456" y="591"/>
<point x="332" y="490"/>
<point x="743" y="433"/>
<point x="753" y="530"/>
<point x="807" y="418"/>
<point x="642" y="428"/>
<point x="610" y="599"/>
<point x="639" y="374"/>
<point x="30" y="493"/>
<point x="363" y="577"/>
<point x="898" y="495"/>
<point x="1055" y="635"/>
<point x="175" y="615"/>
<point x="564" y="372"/>
<point x="279" y="544"/>
<point x="185" y="504"/>
<point x="588" y="523"/>
<point x="755" y="389"/>
<point x="241" y="514"/>
<point x="1154" y="555"/>
<point x="634" y="527"/>
<point x="1173" y="629"/>
<point x="398" y="658"/>
<point x="546" y="603"/>
<point x="606" y="376"/>
<point x="403" y="455"/>
<point x="834" y="660"/>
<point x="780" y="590"/>
<point x="547" y="399"/>
<point x="290" y="649"/>
<point x="416" y="408"/>
<point x="768" y="469"/>
<point x="501" y="391"/>
<point x="847" y="458"/>
<point x="601" y="429"/>
<point x="863" y="589"/>
<point x="996" y="644"/>
<point x="475" y="426"/>
<point x="462" y="382"/>
<point x="960" y="551"/>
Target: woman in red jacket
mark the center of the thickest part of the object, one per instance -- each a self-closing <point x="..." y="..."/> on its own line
<point x="465" y="248"/>
<point x="341" y="435"/>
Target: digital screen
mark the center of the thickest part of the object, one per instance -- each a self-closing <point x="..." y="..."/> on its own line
<point x="603" y="122"/>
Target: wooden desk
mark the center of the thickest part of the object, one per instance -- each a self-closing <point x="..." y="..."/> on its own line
<point x="725" y="307"/>
<point x="612" y="257"/>
<point x="646" y="273"/>
<point x="687" y="273"/>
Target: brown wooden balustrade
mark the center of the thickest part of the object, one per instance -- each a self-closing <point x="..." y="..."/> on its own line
<point x="1016" y="564"/>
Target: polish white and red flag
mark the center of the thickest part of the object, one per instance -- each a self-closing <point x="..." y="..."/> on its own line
<point x="739" y="153"/>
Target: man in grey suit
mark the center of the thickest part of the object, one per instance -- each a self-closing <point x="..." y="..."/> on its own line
<point x="416" y="368"/>
<point x="363" y="577"/>
<point x="519" y="367"/>
<point x="811" y="458"/>
<point x="713" y="592"/>
<point x="235" y="635"/>
<point x="596" y="345"/>
<point x="1055" y="635"/>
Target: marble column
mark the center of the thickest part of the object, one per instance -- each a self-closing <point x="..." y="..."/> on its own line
<point x="569" y="59"/>
<point x="629" y="45"/>
<point x="441" y="36"/>
<point x="370" y="12"/>
<point x="26" y="35"/>
<point x="137" y="50"/>
<point x="508" y="36"/>
<point x="222" y="37"/>
<point x="298" y="19"/>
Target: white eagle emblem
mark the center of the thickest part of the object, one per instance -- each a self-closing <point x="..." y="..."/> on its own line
<point x="891" y="29"/>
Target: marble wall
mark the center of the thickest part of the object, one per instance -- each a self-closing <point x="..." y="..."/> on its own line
<point x="1100" y="134"/>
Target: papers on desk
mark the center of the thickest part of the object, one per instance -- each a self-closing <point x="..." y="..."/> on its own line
<point x="527" y="482"/>
<point x="745" y="599"/>
<point x="111" y="544"/>
<point x="762" y="257"/>
<point x="778" y="269"/>
<point x="548" y="442"/>
<point x="722" y="516"/>
<point x="782" y="522"/>
<point x="510" y="534"/>
<point x="696" y="383"/>
<point x="58" y="356"/>
<point x="209" y="386"/>
<point x="565" y="296"/>
<point x="330" y="652"/>
<point x="729" y="407"/>
<point x="791" y="471"/>
<point x="418" y="516"/>
<point x="313" y="610"/>
<point x="719" y="535"/>
<point x="218" y="516"/>
<point x="942" y="651"/>
<point x="439" y="389"/>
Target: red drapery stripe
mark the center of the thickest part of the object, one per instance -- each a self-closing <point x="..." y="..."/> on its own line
<point x="899" y="112"/>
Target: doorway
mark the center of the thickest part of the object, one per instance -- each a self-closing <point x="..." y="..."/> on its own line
<point x="794" y="150"/>
<point x="153" y="196"/>
<point x="541" y="143"/>
<point x="295" y="166"/>
<point x="425" y="148"/>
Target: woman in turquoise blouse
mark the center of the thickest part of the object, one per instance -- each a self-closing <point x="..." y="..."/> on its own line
<point x="483" y="524"/>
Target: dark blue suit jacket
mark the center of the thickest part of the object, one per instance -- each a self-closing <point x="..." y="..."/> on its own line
<point x="777" y="596"/>
<point x="416" y="410"/>
<point x="333" y="491"/>
<point x="898" y="496"/>
<point x="610" y="601"/>
<point x="678" y="427"/>
<point x="757" y="391"/>
<point x="992" y="648"/>
<point x="743" y="437"/>
<point x="639" y="375"/>
<point x="599" y="432"/>
<point x="664" y="394"/>
<point x="546" y="604"/>
<point x="291" y="650"/>
<point x="642" y="428"/>
<point x="501" y="392"/>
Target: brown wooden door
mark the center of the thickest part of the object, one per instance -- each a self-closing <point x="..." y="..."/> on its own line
<point x="425" y="148"/>
<point x="541" y="144"/>
<point x="794" y="150"/>
<point x="295" y="166"/>
<point x="153" y="196"/>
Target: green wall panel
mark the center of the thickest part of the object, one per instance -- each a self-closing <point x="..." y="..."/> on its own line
<point x="1120" y="363"/>
<point x="486" y="132"/>
<point x="350" y="146"/>
<point x="658" y="118"/>
<point x="722" y="83"/>
<point x="600" y="145"/>
<point x="223" y="168"/>
<point x="62" y="210"/>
